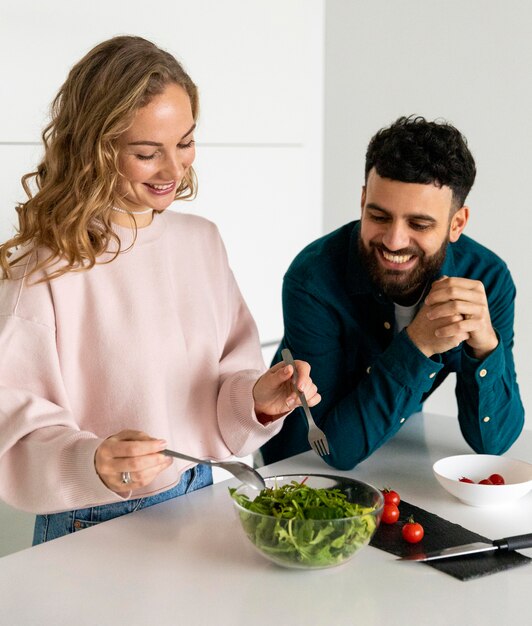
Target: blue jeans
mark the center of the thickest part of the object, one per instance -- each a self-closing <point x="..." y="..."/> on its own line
<point x="56" y="525"/>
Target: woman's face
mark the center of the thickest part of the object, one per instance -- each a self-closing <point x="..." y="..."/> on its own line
<point x="157" y="150"/>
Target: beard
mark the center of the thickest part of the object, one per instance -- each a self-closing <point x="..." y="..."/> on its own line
<point x="402" y="286"/>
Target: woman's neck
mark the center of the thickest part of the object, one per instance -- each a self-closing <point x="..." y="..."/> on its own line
<point x="132" y="219"/>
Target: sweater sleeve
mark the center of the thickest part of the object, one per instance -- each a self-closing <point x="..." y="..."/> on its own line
<point x="46" y="461"/>
<point x="241" y="364"/>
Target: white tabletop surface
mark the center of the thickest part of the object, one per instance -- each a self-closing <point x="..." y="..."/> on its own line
<point x="186" y="561"/>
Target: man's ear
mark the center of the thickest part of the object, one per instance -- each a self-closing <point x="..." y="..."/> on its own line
<point x="458" y="223"/>
<point x="362" y="199"/>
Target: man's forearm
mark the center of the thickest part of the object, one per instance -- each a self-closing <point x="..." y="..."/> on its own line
<point x="490" y="410"/>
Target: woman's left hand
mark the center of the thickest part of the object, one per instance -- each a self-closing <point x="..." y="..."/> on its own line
<point x="274" y="392"/>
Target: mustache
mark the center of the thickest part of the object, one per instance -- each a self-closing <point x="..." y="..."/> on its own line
<point x="402" y="252"/>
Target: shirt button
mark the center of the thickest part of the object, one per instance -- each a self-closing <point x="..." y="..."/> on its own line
<point x="401" y="420"/>
<point x="368" y="369"/>
<point x="482" y="373"/>
<point x="486" y="419"/>
<point x="432" y="375"/>
<point x="387" y="325"/>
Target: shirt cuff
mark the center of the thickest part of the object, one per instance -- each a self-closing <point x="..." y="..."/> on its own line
<point x="486" y="370"/>
<point x="408" y="365"/>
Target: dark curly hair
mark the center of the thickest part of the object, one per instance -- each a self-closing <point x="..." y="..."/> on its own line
<point x="413" y="150"/>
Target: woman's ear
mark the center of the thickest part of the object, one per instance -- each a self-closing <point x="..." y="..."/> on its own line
<point x="458" y="223"/>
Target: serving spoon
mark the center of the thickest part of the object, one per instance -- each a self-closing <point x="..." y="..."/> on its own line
<point x="243" y="472"/>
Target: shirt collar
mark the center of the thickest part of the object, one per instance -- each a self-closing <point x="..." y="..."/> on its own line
<point x="357" y="277"/>
<point x="449" y="264"/>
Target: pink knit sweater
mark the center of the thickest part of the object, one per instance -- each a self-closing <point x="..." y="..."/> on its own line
<point x="158" y="340"/>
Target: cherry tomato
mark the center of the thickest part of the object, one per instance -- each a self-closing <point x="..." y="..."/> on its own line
<point x="465" y="480"/>
<point x="496" y="479"/>
<point x="391" y="497"/>
<point x="412" y="531"/>
<point x="485" y="481"/>
<point x="390" y="514"/>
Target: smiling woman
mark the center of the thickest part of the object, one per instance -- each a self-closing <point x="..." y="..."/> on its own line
<point x="80" y="179"/>
<point x="123" y="331"/>
<point x="156" y="153"/>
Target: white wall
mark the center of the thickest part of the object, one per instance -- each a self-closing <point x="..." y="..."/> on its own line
<point x="468" y="62"/>
<point x="259" y="69"/>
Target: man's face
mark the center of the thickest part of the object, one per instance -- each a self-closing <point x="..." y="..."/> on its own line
<point x="405" y="229"/>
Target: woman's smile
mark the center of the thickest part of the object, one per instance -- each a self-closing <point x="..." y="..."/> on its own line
<point x="159" y="189"/>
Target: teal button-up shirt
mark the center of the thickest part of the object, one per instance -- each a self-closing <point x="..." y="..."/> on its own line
<point x="372" y="379"/>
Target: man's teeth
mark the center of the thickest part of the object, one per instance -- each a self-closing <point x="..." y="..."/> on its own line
<point x="396" y="258"/>
<point x="161" y="187"/>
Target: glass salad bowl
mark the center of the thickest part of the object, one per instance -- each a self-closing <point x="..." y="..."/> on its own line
<point x="309" y="521"/>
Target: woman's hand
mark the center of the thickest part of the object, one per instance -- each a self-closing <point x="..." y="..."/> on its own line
<point x="274" y="393"/>
<point x="130" y="451"/>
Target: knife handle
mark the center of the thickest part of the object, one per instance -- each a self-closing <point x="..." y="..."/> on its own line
<point x="514" y="543"/>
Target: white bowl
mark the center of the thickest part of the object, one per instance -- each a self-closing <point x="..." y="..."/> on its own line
<point x="517" y="476"/>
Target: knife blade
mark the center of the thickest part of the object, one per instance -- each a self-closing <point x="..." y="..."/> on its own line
<point x="507" y="543"/>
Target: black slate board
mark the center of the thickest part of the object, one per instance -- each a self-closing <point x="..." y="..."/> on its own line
<point x="439" y="534"/>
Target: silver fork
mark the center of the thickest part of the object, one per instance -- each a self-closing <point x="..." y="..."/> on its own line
<point x="316" y="437"/>
<point x="243" y="472"/>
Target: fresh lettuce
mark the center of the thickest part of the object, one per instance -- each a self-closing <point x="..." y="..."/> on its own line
<point x="302" y="526"/>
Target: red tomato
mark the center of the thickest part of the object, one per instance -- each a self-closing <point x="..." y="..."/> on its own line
<point x="391" y="497"/>
<point x="465" y="480"/>
<point x="412" y="531"/>
<point x="496" y="479"/>
<point x="390" y="514"/>
<point x="485" y="481"/>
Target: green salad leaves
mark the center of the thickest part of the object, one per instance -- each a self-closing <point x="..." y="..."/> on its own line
<point x="302" y="526"/>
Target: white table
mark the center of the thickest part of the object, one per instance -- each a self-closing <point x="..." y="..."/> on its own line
<point x="185" y="562"/>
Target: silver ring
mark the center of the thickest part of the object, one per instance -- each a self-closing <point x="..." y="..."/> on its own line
<point x="126" y="478"/>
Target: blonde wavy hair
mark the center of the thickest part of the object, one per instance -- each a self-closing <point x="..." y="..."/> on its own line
<point x="77" y="181"/>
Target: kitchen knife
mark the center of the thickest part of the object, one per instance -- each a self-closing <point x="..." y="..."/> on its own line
<point x="506" y="544"/>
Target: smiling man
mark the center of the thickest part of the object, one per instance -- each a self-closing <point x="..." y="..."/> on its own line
<point x="385" y="308"/>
